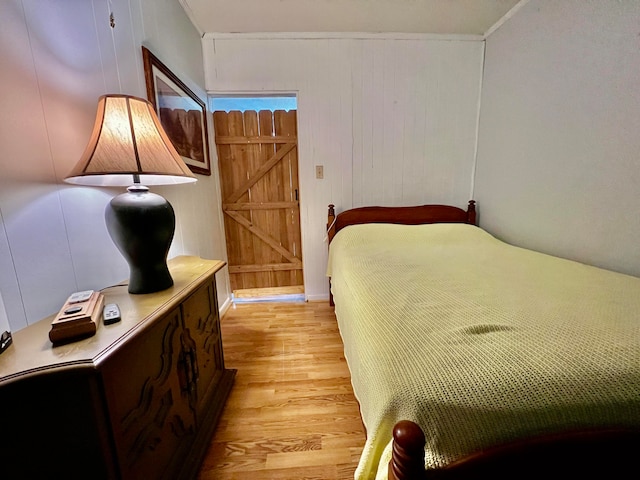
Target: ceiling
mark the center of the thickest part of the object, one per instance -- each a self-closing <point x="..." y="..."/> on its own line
<point x="451" y="17"/>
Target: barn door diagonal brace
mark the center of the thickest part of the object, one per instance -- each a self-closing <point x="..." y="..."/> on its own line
<point x="262" y="235"/>
<point x="268" y="165"/>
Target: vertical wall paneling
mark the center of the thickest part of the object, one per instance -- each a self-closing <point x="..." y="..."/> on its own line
<point x="83" y="207"/>
<point x="342" y="177"/>
<point x="18" y="77"/>
<point x="57" y="59"/>
<point x="30" y="205"/>
<point x="105" y="44"/>
<point x="393" y="120"/>
<point x="9" y="285"/>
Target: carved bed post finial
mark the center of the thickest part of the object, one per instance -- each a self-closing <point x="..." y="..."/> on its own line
<point x="471" y="212"/>
<point x="407" y="457"/>
<point x="330" y="219"/>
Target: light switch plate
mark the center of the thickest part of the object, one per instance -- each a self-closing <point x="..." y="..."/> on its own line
<point x="319" y="172"/>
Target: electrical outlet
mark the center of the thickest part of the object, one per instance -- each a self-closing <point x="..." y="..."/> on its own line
<point x="319" y="172"/>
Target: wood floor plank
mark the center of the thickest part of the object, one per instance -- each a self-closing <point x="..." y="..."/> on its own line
<point x="291" y="413"/>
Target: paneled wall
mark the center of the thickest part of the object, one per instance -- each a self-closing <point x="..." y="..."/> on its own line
<point x="559" y="151"/>
<point x="57" y="58"/>
<point x="391" y="118"/>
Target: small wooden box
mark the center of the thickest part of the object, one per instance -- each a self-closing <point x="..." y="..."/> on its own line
<point x="81" y="324"/>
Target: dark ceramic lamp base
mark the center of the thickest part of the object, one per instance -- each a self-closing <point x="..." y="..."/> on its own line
<point x="142" y="224"/>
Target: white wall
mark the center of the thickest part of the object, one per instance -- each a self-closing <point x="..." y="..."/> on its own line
<point x="391" y="118"/>
<point x="57" y="58"/>
<point x="559" y="150"/>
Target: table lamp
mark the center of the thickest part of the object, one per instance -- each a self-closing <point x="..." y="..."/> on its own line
<point x="128" y="147"/>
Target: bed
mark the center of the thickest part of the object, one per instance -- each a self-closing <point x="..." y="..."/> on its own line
<point x="472" y="358"/>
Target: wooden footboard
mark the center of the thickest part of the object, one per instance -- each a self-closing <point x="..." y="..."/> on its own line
<point x="584" y="454"/>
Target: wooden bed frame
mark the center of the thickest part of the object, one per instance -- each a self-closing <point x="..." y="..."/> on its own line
<point x="596" y="453"/>
<point x="400" y="215"/>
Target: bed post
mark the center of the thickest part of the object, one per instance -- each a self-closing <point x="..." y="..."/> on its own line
<point x="471" y="212"/>
<point x="407" y="457"/>
<point x="331" y="231"/>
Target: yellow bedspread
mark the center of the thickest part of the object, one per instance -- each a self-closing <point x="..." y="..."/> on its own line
<point x="478" y="341"/>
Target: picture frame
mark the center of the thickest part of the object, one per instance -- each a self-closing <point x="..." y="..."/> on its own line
<point x="182" y="113"/>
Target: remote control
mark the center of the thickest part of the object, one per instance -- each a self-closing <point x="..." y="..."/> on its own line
<point x="78" y="297"/>
<point x="111" y="313"/>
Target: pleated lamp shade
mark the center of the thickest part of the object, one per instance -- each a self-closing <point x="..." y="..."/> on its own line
<point x="128" y="140"/>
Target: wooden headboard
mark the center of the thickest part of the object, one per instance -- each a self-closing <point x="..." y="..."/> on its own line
<point x="402" y="215"/>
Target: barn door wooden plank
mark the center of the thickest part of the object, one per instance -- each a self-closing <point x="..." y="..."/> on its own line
<point x="230" y="140"/>
<point x="271" y="267"/>
<point x="268" y="153"/>
<point x="285" y="125"/>
<point x="225" y="167"/>
<point x="255" y="193"/>
<point x="233" y="171"/>
<point x="241" y="165"/>
<point x="260" y="205"/>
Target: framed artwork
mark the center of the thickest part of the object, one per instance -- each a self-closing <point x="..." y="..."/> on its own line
<point x="181" y="112"/>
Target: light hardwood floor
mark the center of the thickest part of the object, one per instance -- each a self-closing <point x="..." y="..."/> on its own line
<point x="291" y="413"/>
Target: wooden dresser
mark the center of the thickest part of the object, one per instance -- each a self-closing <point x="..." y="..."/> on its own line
<point x="138" y="400"/>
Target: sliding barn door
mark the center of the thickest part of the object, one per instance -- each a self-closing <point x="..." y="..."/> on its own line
<point x="258" y="162"/>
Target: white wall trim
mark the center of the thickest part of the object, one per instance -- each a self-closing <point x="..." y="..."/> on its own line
<point x="225" y="306"/>
<point x="317" y="298"/>
<point x="341" y="35"/>
<point x="505" y="17"/>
